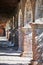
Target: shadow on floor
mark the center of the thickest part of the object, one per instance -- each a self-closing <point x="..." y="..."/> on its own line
<point x="9" y="50"/>
<point x="8" y="64"/>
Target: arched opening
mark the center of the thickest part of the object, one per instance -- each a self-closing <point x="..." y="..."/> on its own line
<point x="11" y="33"/>
<point x="27" y="12"/>
<point x="12" y="39"/>
<point x="20" y="18"/>
<point x="20" y="25"/>
<point x="39" y="11"/>
<point x="8" y="34"/>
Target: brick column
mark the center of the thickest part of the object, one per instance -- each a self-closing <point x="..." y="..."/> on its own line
<point x="34" y="45"/>
<point x="24" y="42"/>
<point x="37" y="59"/>
<point x="27" y="44"/>
<point x="20" y="40"/>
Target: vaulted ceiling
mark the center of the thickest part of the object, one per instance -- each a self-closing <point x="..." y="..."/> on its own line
<point x="8" y="6"/>
<point x="8" y="3"/>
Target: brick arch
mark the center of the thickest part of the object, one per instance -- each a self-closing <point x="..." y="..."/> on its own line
<point x="27" y="11"/>
<point x="20" y="18"/>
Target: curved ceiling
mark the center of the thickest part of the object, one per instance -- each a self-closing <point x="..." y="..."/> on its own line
<point x="8" y="3"/>
<point x="8" y="6"/>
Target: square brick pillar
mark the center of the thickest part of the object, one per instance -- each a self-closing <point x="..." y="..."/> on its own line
<point x="37" y="46"/>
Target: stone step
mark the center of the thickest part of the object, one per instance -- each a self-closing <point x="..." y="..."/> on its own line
<point x="11" y="54"/>
<point x="15" y="60"/>
<point x="3" y="38"/>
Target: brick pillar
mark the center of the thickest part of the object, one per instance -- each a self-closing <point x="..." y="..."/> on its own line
<point x="20" y="41"/>
<point x="34" y="45"/>
<point x="37" y="59"/>
<point x="27" y="44"/>
<point x="24" y="43"/>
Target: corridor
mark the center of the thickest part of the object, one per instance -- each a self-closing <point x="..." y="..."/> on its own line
<point x="21" y="32"/>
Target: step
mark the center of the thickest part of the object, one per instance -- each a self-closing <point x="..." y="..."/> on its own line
<point x="11" y="53"/>
<point x="15" y="60"/>
<point x="3" y="38"/>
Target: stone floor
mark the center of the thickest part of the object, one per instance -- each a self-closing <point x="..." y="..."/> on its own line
<point x="9" y="55"/>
